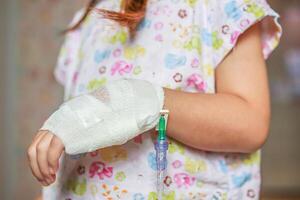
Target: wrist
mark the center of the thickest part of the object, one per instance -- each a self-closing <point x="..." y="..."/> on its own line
<point x="166" y="102"/>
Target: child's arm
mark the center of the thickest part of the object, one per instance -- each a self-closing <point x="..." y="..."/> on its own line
<point x="236" y="118"/>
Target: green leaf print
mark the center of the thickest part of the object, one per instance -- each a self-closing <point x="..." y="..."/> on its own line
<point x="134" y="52"/>
<point x="192" y="3"/>
<point x="152" y="196"/>
<point x="120" y="176"/>
<point x="121" y="36"/>
<point x="96" y="83"/>
<point x="77" y="187"/>
<point x="193" y="43"/>
<point x="255" y="10"/>
<point x="216" y="41"/>
<point x="194" y="166"/>
<point x="175" y="147"/>
<point x="169" y="196"/>
<point x="253" y="158"/>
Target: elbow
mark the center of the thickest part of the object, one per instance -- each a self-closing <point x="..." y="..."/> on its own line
<point x="257" y="135"/>
<point x="259" y="139"/>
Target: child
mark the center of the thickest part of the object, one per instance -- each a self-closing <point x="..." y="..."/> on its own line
<point x="209" y="58"/>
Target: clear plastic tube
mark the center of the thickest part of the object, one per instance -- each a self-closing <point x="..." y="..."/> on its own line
<point x="161" y="147"/>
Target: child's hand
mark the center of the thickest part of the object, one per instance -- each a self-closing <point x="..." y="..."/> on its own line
<point x="43" y="156"/>
<point x="110" y="115"/>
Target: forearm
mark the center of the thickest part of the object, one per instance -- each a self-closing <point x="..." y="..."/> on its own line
<point x="215" y="122"/>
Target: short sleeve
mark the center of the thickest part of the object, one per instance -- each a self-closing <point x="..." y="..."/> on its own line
<point x="231" y="18"/>
<point x="69" y="52"/>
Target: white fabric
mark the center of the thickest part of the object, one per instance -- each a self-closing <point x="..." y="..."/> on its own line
<point x="110" y="115"/>
<point x="178" y="45"/>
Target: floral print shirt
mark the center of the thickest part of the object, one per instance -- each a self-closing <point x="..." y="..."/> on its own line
<point x="179" y="44"/>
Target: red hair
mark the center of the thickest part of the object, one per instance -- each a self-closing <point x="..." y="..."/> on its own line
<point x="132" y="14"/>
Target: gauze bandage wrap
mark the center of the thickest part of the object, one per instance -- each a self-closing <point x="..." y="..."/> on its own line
<point x="110" y="115"/>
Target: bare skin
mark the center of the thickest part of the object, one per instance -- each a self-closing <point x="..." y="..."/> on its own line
<point x="235" y="119"/>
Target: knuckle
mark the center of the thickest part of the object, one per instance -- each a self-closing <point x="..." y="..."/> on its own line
<point x="52" y="158"/>
<point x="45" y="172"/>
<point x="41" y="147"/>
<point x="35" y="175"/>
<point x="51" y="162"/>
<point x="31" y="151"/>
<point x="39" y="179"/>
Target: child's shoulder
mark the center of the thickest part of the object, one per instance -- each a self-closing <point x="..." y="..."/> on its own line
<point x="226" y="20"/>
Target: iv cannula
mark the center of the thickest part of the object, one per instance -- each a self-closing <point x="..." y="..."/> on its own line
<point x="161" y="147"/>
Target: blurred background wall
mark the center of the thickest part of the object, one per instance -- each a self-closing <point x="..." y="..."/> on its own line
<point x="30" y="43"/>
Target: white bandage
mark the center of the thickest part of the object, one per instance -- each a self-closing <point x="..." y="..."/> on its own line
<point x="110" y="115"/>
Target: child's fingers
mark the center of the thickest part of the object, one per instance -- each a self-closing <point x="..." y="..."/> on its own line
<point x="42" y="152"/>
<point x="55" y="150"/>
<point x="39" y="133"/>
<point x="31" y="153"/>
